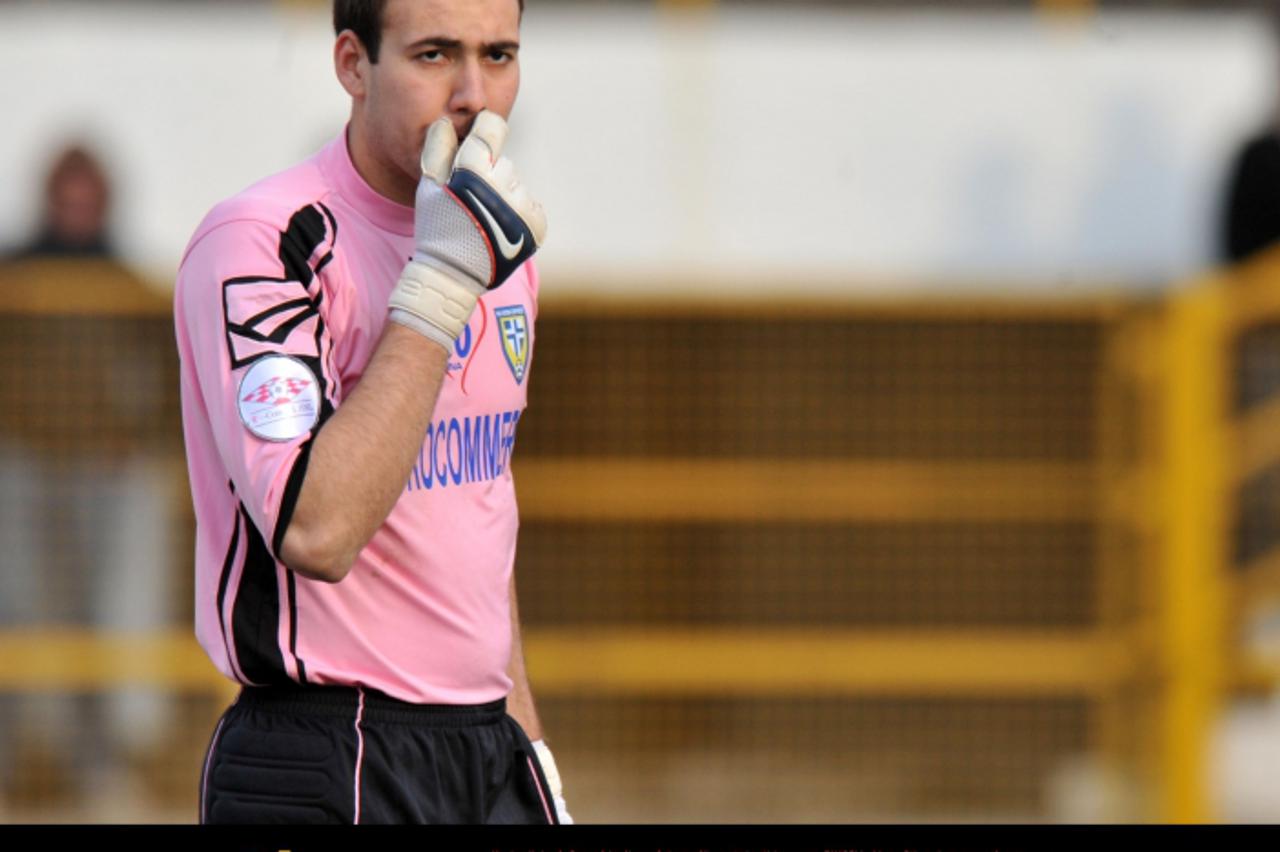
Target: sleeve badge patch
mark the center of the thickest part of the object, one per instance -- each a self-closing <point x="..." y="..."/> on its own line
<point x="279" y="398"/>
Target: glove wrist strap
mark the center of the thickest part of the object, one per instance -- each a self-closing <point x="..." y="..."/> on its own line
<point x="432" y="303"/>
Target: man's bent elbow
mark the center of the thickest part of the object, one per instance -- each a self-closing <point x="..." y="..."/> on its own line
<point x="307" y="553"/>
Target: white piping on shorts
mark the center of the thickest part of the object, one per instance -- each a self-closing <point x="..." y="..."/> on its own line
<point x="208" y="764"/>
<point x="359" y="752"/>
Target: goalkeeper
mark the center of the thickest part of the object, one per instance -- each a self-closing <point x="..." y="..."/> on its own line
<point x="349" y="421"/>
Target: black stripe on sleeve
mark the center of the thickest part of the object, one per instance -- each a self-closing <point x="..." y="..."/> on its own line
<point x="253" y="279"/>
<point x="333" y="223"/>
<point x="302" y="311"/>
<point x="306" y="233"/>
<point x="289" y="500"/>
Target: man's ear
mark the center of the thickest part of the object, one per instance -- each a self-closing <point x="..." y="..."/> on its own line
<point x="351" y="63"/>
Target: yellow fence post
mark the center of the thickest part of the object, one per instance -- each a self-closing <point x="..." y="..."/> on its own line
<point x="1191" y="595"/>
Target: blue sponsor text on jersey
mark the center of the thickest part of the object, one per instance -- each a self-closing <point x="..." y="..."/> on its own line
<point x="458" y="451"/>
<point x="461" y="349"/>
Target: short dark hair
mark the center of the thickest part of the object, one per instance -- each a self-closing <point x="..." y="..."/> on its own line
<point x="364" y="18"/>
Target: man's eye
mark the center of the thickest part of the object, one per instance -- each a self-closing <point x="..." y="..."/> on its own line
<point x="431" y="55"/>
<point x="500" y="56"/>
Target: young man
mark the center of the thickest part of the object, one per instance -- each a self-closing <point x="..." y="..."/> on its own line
<point x="349" y="424"/>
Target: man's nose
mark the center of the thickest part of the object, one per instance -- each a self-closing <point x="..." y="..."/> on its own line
<point x="468" y="90"/>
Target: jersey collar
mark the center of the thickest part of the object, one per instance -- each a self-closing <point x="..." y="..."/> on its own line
<point x="335" y="162"/>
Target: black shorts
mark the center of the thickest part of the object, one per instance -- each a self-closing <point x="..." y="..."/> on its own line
<point x="340" y="755"/>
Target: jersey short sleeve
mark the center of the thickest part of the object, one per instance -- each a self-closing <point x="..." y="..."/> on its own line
<point x="251" y="313"/>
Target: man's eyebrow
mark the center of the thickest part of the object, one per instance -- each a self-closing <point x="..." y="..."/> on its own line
<point x="437" y="42"/>
<point x="446" y="43"/>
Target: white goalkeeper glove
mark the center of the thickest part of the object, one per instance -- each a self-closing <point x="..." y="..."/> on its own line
<point x="548" y="764"/>
<point x="474" y="226"/>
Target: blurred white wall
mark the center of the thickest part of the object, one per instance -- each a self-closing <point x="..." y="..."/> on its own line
<point x="858" y="149"/>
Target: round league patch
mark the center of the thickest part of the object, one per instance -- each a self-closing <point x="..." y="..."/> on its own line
<point x="279" y="398"/>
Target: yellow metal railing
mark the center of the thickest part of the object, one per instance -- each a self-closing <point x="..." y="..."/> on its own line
<point x="640" y="662"/>
<point x="806" y="489"/>
<point x="1193" y="509"/>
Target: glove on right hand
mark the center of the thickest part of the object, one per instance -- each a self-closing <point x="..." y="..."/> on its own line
<point x="474" y="225"/>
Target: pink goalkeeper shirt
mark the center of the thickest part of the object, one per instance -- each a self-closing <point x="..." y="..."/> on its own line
<point x="281" y="299"/>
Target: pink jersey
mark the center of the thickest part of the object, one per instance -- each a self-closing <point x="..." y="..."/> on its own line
<point x="281" y="299"/>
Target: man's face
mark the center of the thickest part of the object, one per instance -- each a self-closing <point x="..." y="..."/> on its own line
<point x="438" y="58"/>
<point x="78" y="208"/>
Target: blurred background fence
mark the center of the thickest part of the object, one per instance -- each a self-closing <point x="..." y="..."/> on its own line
<point x="837" y="560"/>
<point x="939" y="483"/>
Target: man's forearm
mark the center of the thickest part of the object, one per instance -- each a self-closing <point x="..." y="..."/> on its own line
<point x="520" y="707"/>
<point x="361" y="459"/>
<point x="520" y="704"/>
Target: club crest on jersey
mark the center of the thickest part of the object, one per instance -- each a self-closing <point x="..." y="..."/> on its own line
<point x="279" y="398"/>
<point x="513" y="330"/>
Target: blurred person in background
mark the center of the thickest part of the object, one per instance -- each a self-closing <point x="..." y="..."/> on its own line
<point x="1251" y="210"/>
<point x="349" y="424"/>
<point x="77" y="206"/>
<point x="85" y="492"/>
